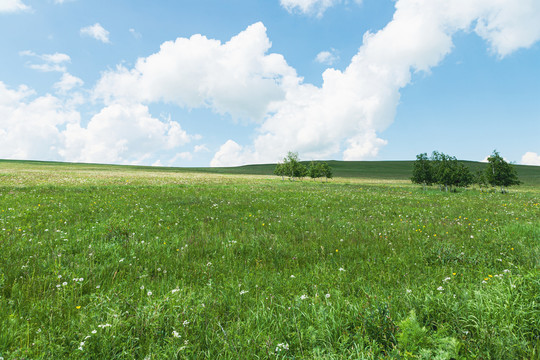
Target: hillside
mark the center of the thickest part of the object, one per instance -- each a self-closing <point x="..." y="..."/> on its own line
<point x="384" y="170"/>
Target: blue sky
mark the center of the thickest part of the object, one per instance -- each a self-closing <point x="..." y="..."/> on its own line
<point x="223" y="83"/>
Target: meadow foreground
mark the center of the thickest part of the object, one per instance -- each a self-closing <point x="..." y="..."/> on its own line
<point x="160" y="265"/>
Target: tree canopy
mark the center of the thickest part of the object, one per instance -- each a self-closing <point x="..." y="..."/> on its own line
<point x="499" y="173"/>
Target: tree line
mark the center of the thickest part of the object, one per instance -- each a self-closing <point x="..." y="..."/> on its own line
<point x="447" y="172"/>
<point x="294" y="169"/>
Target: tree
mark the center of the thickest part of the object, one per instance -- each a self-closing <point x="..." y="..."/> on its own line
<point x="280" y="170"/>
<point x="314" y="170"/>
<point x="500" y="173"/>
<point x="443" y="169"/>
<point x="291" y="167"/>
<point x="326" y="171"/>
<point x="423" y="171"/>
<point x="462" y="175"/>
<point x="480" y="179"/>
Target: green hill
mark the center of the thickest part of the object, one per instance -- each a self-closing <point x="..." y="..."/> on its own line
<point x="383" y="170"/>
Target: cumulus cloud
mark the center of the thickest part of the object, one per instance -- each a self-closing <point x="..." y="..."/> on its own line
<point x="237" y="77"/>
<point x="50" y="128"/>
<point x="12" y="6"/>
<point x="530" y="158"/>
<point x="311" y="7"/>
<point x="50" y="62"/>
<point x="97" y="32"/>
<point x="122" y="133"/>
<point x="31" y="128"/>
<point x="327" y="57"/>
<point x="352" y="106"/>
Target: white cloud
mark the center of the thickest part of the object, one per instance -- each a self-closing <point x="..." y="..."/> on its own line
<point x="122" y="133"/>
<point x="50" y="128"/>
<point x="97" y="32"/>
<point x="327" y="57"/>
<point x="230" y="154"/>
<point x="352" y="106"/>
<point x="311" y="7"/>
<point x="237" y="77"/>
<point x="530" y="158"/>
<point x="12" y="6"/>
<point x="30" y="128"/>
<point x="52" y="62"/>
<point x="67" y="82"/>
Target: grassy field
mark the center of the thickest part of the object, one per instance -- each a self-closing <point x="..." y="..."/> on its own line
<point x="146" y="263"/>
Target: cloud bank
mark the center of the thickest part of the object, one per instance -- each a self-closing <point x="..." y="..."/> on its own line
<point x="241" y="78"/>
<point x="352" y="106"/>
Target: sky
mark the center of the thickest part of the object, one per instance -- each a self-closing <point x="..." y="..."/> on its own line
<point x="232" y="82"/>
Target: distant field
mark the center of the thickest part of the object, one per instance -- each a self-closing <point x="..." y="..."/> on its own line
<point x="112" y="262"/>
<point x="383" y="170"/>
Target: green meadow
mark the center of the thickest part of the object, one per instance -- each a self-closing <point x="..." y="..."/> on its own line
<point x="112" y="262"/>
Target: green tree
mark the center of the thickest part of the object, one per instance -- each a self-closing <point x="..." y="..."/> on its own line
<point x="423" y="171"/>
<point x="480" y="179"/>
<point x="326" y="171"/>
<point x="462" y="175"/>
<point x="448" y="172"/>
<point x="500" y="173"/>
<point x="280" y="170"/>
<point x="292" y="166"/>
<point x="314" y="170"/>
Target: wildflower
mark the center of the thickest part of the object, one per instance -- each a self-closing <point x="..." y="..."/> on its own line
<point x="94" y="331"/>
<point x="149" y="293"/>
<point x="78" y="307"/>
<point x="303" y="297"/>
<point x="446" y="279"/>
<point x="341" y="269"/>
<point x="175" y="290"/>
<point x="142" y="287"/>
<point x="408" y="291"/>
<point x="292" y="276"/>
<point x="64" y="283"/>
<point x="243" y="292"/>
<point x="327" y="296"/>
<point x="175" y="334"/>
<point x="440" y="288"/>
<point x="185" y="323"/>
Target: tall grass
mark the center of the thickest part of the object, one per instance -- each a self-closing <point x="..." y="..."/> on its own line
<point x="160" y="265"/>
